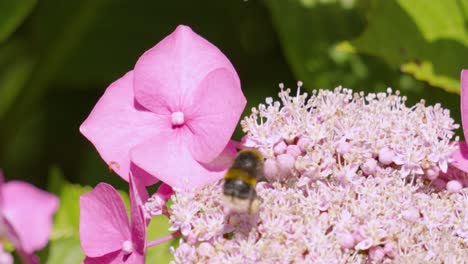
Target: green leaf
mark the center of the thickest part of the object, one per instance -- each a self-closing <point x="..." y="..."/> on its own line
<point x="12" y="14"/>
<point x="67" y="218"/>
<point x="428" y="41"/>
<point x="310" y="31"/>
<point x="17" y="65"/>
<point x="158" y="227"/>
<point x="65" y="250"/>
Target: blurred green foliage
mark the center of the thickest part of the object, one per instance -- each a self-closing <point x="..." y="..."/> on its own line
<point x="57" y="57"/>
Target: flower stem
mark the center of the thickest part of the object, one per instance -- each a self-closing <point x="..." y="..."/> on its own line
<point x="162" y="239"/>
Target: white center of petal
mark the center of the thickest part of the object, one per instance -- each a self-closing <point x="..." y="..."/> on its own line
<point x="177" y="118"/>
<point x="127" y="247"/>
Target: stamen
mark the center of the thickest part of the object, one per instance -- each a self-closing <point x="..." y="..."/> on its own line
<point x="177" y="118"/>
<point x="127" y="247"/>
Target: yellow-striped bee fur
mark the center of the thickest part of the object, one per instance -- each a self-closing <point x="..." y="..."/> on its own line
<point x="240" y="180"/>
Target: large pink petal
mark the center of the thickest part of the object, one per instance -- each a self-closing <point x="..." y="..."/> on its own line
<point x="104" y="223"/>
<point x="214" y="114"/>
<point x="117" y="123"/>
<point x="138" y="195"/>
<point x="168" y="157"/>
<point x="225" y="158"/>
<point x="29" y="210"/>
<point x="458" y="169"/>
<point x="168" y="76"/>
<point x="116" y="258"/>
<point x="464" y="102"/>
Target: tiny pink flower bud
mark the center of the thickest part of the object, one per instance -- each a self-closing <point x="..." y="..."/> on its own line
<point x="127" y="247"/>
<point x="343" y="147"/>
<point x="270" y="170"/>
<point x="285" y="164"/>
<point x="303" y="143"/>
<point x="369" y="166"/>
<point x="280" y="148"/>
<point x="411" y="214"/>
<point x="347" y="241"/>
<point x="293" y="150"/>
<point x="386" y="156"/>
<point x="364" y="244"/>
<point x="432" y="173"/>
<point x="454" y="186"/>
<point x="389" y="250"/>
<point x="376" y="253"/>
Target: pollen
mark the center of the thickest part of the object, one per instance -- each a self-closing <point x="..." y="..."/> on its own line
<point x="177" y="118"/>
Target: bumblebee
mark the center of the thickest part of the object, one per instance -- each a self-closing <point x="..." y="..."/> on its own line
<point x="240" y="180"/>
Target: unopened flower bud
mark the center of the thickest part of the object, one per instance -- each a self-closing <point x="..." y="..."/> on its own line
<point x="285" y="163"/>
<point x="270" y="170"/>
<point x="432" y="173"/>
<point x="347" y="241"/>
<point x="369" y="166"/>
<point x="280" y="148"/>
<point x="454" y="186"/>
<point x="411" y="214"/>
<point x="386" y="156"/>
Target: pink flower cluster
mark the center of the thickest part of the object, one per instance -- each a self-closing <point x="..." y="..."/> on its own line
<point x="345" y="135"/>
<point x="352" y="178"/>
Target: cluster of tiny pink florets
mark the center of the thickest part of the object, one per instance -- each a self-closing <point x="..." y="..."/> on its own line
<point x="351" y="178"/>
<point x="344" y="135"/>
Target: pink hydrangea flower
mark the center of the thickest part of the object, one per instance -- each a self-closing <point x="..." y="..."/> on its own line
<point x="172" y="115"/>
<point x="106" y="234"/>
<point x="26" y="216"/>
